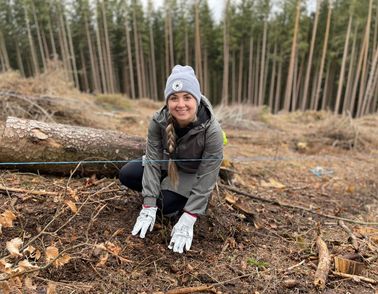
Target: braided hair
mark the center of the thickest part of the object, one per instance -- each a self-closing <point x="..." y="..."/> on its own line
<point x="171" y="144"/>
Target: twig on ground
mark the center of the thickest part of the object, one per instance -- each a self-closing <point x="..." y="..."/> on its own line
<point x="295" y="266"/>
<point x="322" y="270"/>
<point x="192" y="290"/>
<point x="275" y="202"/>
<point x="353" y="238"/>
<point x="17" y="190"/>
<point x="355" y="278"/>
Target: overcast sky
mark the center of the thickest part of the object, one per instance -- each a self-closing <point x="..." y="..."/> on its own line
<point x="216" y="6"/>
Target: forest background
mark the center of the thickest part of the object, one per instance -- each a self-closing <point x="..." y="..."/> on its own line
<point x="260" y="52"/>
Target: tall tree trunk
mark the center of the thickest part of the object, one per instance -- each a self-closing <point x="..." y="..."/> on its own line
<point x="64" y="43"/>
<point x="343" y="64"/>
<point x="143" y="67"/>
<point x="357" y="77"/>
<point x="250" y="72"/>
<point x="101" y="60"/>
<point x="277" y="98"/>
<point x="262" y="69"/>
<point x="35" y="66"/>
<point x="370" y="85"/>
<point x="226" y="55"/>
<point x="309" y="62"/>
<point x="206" y="88"/>
<point x="43" y="57"/>
<point x="322" y="62"/>
<point x="51" y="34"/>
<point x="327" y="82"/>
<point x="154" y="91"/>
<point x="364" y="66"/>
<point x="19" y="58"/>
<point x="197" y="42"/>
<point x="257" y="69"/>
<point x="273" y="78"/>
<point x="293" y="103"/>
<point x="109" y="62"/>
<point x="289" y="83"/>
<point x="137" y="55"/>
<point x="233" y="77"/>
<point x="73" y="57"/>
<point x="347" y="96"/>
<point x="129" y="56"/>
<point x="240" y="75"/>
<point x="93" y="69"/>
<point x="297" y="89"/>
<point x="85" y="82"/>
<point x="4" y="52"/>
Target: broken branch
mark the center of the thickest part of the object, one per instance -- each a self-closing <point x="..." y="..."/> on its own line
<point x="322" y="270"/>
<point x="352" y="237"/>
<point x="275" y="202"/>
<point x="355" y="277"/>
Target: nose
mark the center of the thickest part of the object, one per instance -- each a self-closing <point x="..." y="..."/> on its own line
<point x="180" y="102"/>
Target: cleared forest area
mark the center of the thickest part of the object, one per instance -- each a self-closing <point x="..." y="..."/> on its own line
<point x="296" y="182"/>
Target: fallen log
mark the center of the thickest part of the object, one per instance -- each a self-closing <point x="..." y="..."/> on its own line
<point x="324" y="264"/>
<point x="26" y="141"/>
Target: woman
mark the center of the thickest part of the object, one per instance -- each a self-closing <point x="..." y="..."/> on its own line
<point x="183" y="156"/>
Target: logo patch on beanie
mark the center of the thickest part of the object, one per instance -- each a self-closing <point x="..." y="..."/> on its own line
<point x="177" y="85"/>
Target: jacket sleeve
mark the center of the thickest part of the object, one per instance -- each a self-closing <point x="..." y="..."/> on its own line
<point x="208" y="171"/>
<point x="152" y="171"/>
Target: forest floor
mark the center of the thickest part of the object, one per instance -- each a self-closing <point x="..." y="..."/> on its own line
<point x="294" y="177"/>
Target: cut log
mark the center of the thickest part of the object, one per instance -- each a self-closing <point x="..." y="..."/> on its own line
<point x="24" y="141"/>
<point x="322" y="271"/>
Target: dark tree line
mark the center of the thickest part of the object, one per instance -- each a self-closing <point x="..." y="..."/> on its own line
<point x="260" y="53"/>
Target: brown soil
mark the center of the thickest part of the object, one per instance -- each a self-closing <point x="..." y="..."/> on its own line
<point x="250" y="246"/>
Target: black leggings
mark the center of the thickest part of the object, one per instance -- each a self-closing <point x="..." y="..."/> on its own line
<point x="169" y="202"/>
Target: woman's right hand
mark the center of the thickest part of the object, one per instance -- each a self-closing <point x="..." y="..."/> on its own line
<point x="145" y="220"/>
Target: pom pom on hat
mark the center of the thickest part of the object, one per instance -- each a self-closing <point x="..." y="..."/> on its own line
<point x="183" y="79"/>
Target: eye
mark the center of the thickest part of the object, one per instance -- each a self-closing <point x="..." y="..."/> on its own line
<point x="173" y="98"/>
<point x="187" y="97"/>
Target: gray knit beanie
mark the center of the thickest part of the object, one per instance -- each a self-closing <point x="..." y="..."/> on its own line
<point x="183" y="79"/>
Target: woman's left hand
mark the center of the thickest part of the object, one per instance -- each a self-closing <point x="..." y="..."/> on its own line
<point x="182" y="233"/>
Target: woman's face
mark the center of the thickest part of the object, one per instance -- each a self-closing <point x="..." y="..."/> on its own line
<point x="183" y="107"/>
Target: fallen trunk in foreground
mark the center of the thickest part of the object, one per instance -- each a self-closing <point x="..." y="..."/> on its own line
<point x="24" y="140"/>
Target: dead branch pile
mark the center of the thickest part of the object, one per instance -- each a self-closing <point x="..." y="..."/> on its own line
<point x="48" y="97"/>
<point x="242" y="116"/>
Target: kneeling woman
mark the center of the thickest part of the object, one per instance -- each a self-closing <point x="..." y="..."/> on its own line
<point x="183" y="156"/>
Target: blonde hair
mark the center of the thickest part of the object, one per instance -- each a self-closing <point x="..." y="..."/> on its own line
<point x="171" y="145"/>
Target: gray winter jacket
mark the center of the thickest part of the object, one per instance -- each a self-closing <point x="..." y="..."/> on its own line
<point x="202" y="145"/>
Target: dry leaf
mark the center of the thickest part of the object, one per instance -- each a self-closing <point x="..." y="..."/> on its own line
<point x="7" y="218"/>
<point x="371" y="233"/>
<point x="13" y="246"/>
<point x="65" y="258"/>
<point x="51" y="288"/>
<point x="71" y="205"/>
<point x="5" y="267"/>
<point x="29" y="284"/>
<point x="73" y="194"/>
<point x="25" y="265"/>
<point x="103" y="259"/>
<point x="114" y="249"/>
<point x="231" y="198"/>
<point x="51" y="253"/>
<point x="272" y="183"/>
<point x="4" y="287"/>
<point x="31" y="252"/>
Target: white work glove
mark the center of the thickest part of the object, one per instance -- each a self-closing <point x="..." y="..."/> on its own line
<point x="182" y="233"/>
<point x="145" y="219"/>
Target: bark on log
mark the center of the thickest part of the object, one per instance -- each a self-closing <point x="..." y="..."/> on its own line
<point x="322" y="271"/>
<point x="24" y="140"/>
